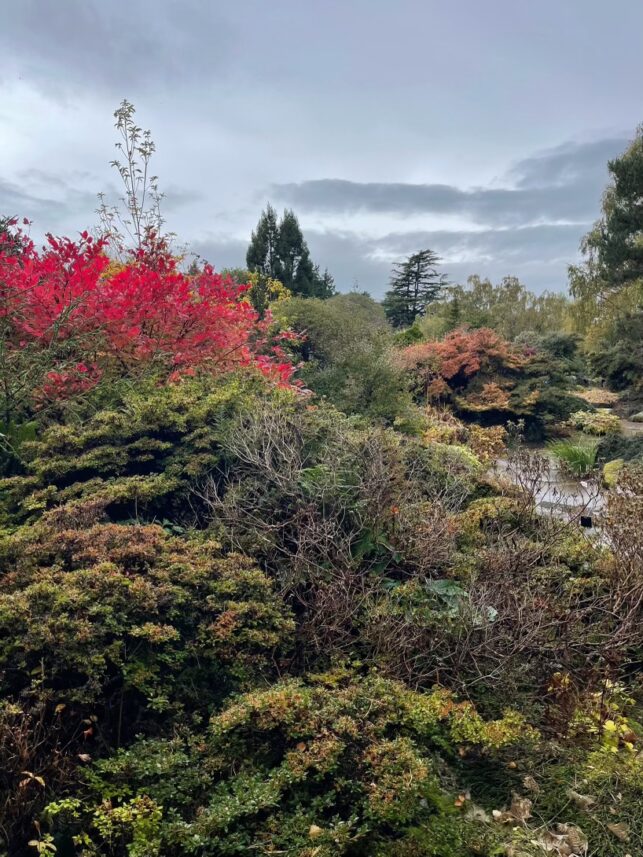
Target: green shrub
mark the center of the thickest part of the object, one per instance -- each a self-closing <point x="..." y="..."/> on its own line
<point x="136" y="602"/>
<point x="139" y="458"/>
<point x="346" y="354"/>
<point x="330" y="766"/>
<point x="112" y="630"/>
<point x="614" y="446"/>
<point x="599" y="422"/>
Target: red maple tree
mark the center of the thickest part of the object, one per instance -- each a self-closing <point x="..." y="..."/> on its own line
<point x="143" y="317"/>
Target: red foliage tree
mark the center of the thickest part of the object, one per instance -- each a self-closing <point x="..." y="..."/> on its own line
<point x="85" y="316"/>
<point x="440" y="367"/>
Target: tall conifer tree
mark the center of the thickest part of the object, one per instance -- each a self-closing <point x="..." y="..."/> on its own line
<point x="415" y="283"/>
<point x="279" y="250"/>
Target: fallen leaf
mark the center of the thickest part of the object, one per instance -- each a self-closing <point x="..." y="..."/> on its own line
<point x="520" y="807"/>
<point x="530" y="783"/>
<point x="620" y="830"/>
<point x="581" y="801"/>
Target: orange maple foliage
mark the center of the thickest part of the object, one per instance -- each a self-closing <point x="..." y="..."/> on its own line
<point x="440" y="367"/>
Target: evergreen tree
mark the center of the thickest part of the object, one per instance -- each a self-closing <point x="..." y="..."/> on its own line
<point x="263" y="252"/>
<point x="325" y="284"/>
<point x="613" y="248"/>
<point x="279" y="250"/>
<point x="454" y="312"/>
<point x="615" y="241"/>
<point x="608" y="286"/>
<point x="297" y="271"/>
<point x="415" y="283"/>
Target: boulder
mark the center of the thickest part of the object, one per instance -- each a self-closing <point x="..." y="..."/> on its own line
<point x="610" y="472"/>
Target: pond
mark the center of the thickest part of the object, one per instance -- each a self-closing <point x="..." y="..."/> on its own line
<point x="557" y="492"/>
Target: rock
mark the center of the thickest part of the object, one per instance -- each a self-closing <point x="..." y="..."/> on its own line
<point x="637" y="418"/>
<point x="610" y="472"/>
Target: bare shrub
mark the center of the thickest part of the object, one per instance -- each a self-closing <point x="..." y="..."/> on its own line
<point x="330" y="509"/>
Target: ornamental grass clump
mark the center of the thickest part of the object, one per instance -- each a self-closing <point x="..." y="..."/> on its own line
<point x="577" y="457"/>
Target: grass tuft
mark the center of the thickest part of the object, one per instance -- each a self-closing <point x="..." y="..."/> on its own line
<point x="577" y="456"/>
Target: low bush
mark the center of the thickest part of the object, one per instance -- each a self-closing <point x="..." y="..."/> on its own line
<point x="138" y="458"/>
<point x="598" y="397"/>
<point x="612" y="446"/>
<point x="599" y="422"/>
<point x="491" y="380"/>
<point x="335" y="765"/>
<point x="442" y="426"/>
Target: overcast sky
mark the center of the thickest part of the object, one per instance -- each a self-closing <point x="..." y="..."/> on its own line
<point x="479" y="129"/>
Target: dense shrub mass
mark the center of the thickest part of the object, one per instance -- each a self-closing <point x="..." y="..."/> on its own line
<point x="489" y="379"/>
<point x="140" y="456"/>
<point x="346" y="352"/>
<point x="388" y="578"/>
<point x="599" y="423"/>
<point x="334" y="765"/>
<point x="276" y="579"/>
<point x="614" y="446"/>
<point x="106" y="629"/>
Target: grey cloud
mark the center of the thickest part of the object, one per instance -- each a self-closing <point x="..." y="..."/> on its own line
<point x="567" y="164"/>
<point x="563" y="184"/>
<point x="176" y="197"/>
<point x="539" y="255"/>
<point x="545" y="241"/>
<point x="45" y="178"/>
<point x="119" y="46"/>
<point x="71" y="203"/>
<point x="220" y="251"/>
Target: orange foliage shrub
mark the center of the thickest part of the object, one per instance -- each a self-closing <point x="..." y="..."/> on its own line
<point x="441" y="367"/>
